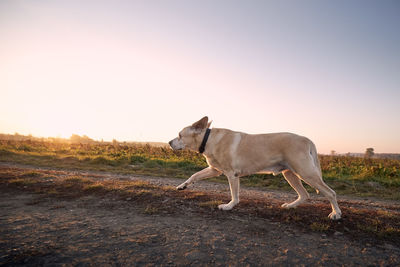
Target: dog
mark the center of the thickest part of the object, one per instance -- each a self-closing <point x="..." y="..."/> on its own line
<point x="237" y="154"/>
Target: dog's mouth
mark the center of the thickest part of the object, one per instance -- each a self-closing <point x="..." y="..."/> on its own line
<point x="176" y="145"/>
<point x="177" y="148"/>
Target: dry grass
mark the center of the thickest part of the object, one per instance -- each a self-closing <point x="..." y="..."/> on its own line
<point x="346" y="175"/>
<point x="319" y="227"/>
<point x="211" y="203"/>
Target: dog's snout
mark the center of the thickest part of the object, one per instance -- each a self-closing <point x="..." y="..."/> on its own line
<point x="176" y="144"/>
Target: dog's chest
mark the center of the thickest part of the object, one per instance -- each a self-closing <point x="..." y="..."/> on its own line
<point x="216" y="164"/>
<point x="212" y="162"/>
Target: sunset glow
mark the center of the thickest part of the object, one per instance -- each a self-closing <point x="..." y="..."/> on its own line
<point x="142" y="70"/>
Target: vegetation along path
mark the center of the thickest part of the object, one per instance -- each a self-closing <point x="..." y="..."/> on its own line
<point x="52" y="216"/>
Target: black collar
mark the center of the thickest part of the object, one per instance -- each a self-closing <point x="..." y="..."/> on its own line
<point x="204" y="142"/>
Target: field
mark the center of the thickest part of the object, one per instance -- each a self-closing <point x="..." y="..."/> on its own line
<point x="116" y="204"/>
<point x="346" y="175"/>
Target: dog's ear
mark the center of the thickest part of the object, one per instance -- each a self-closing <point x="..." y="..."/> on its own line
<point x="209" y="124"/>
<point x="201" y="124"/>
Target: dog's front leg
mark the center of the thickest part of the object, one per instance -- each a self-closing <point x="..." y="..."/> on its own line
<point x="234" y="185"/>
<point x="203" y="174"/>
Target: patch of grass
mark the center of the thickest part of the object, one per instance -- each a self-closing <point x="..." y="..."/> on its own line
<point x="77" y="180"/>
<point x="137" y="159"/>
<point x="141" y="184"/>
<point x="21" y="182"/>
<point x="211" y="203"/>
<point x="150" y="210"/>
<point x="102" y="161"/>
<point x="31" y="174"/>
<point x="52" y="192"/>
<point x="390" y="232"/>
<point x="97" y="187"/>
<point x="194" y="195"/>
<point x="382" y="226"/>
<point x="369" y="228"/>
<point x="385" y="213"/>
<point x="319" y="227"/>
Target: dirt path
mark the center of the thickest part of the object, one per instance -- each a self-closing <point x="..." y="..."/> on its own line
<point x="219" y="188"/>
<point x="110" y="231"/>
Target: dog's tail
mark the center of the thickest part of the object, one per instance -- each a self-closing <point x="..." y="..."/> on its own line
<point x="314" y="155"/>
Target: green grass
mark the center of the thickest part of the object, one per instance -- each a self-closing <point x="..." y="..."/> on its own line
<point x="346" y="175"/>
<point x="319" y="227"/>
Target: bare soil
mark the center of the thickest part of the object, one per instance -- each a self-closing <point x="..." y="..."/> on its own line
<point x="176" y="228"/>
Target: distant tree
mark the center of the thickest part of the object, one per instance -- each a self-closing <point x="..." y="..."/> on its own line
<point x="75" y="138"/>
<point x="333" y="152"/>
<point x="80" y="139"/>
<point x="115" y="142"/>
<point x="18" y="137"/>
<point x="86" y="139"/>
<point x="369" y="153"/>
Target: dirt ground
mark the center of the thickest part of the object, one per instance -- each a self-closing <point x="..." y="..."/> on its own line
<point x="175" y="231"/>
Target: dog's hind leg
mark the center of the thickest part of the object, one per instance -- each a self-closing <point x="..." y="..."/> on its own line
<point x="234" y="185"/>
<point x="203" y="174"/>
<point x="314" y="179"/>
<point x="296" y="184"/>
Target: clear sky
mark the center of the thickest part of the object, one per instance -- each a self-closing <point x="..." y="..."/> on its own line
<point x="142" y="70"/>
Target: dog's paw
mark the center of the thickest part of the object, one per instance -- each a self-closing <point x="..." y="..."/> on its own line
<point x="293" y="204"/>
<point x="225" y="206"/>
<point x="228" y="206"/>
<point x="334" y="216"/>
<point x="181" y="187"/>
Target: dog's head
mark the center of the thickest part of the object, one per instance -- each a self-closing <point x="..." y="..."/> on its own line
<point x="190" y="137"/>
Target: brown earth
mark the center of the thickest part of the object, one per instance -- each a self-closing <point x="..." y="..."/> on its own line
<point x="48" y="223"/>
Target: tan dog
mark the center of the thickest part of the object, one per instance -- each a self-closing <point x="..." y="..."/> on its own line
<point x="237" y="154"/>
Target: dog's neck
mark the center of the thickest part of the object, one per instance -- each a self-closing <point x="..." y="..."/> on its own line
<point x="205" y="139"/>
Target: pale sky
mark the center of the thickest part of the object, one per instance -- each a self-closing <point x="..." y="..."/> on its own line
<point x="142" y="70"/>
